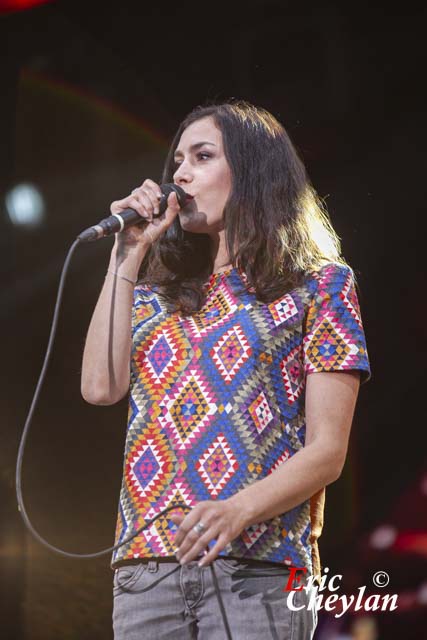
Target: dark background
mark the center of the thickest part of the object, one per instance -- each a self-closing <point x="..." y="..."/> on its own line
<point x="90" y="97"/>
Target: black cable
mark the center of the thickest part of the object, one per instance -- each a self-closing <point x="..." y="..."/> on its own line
<point x="220" y="602"/>
<point x="21" y="506"/>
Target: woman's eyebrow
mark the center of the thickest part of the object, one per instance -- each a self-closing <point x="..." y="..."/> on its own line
<point x="194" y="147"/>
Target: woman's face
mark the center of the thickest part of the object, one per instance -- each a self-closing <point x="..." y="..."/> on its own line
<point x="202" y="171"/>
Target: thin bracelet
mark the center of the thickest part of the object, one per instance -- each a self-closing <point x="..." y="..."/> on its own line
<point x="120" y="276"/>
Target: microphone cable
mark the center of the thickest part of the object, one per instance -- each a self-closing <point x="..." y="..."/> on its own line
<point x="21" y="506"/>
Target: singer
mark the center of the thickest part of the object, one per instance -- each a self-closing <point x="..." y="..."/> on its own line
<point x="233" y="325"/>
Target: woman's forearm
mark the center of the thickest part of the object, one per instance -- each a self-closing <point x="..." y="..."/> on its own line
<point x="106" y="357"/>
<point x="293" y="482"/>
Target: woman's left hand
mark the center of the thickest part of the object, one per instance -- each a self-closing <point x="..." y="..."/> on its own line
<point x="220" y="520"/>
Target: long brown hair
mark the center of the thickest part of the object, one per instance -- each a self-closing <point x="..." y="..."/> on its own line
<point x="276" y="226"/>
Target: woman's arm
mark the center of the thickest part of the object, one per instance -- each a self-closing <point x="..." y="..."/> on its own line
<point x="330" y="402"/>
<point x="106" y="357"/>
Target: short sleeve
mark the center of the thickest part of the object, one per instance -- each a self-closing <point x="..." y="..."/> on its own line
<point x="144" y="308"/>
<point x="334" y="338"/>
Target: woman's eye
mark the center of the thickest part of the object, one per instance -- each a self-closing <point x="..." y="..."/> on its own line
<point x="201" y="155"/>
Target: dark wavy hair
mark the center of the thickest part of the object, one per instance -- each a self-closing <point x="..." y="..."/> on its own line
<point x="276" y="227"/>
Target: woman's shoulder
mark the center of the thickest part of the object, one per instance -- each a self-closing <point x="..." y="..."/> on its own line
<point x="144" y="289"/>
<point x="329" y="274"/>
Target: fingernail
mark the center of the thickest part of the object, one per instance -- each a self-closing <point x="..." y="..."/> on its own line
<point x="156" y="211"/>
<point x="201" y="564"/>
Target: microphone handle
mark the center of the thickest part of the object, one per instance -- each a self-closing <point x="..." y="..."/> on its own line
<point x="129" y="217"/>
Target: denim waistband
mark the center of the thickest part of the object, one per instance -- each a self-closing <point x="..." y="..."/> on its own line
<point x="172" y="559"/>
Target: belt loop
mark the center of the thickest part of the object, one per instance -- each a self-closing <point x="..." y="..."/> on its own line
<point x="152" y="566"/>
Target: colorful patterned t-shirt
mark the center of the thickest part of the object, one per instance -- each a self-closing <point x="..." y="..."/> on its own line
<point x="217" y="402"/>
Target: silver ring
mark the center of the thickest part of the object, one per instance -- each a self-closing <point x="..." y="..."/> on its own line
<point x="199" y="528"/>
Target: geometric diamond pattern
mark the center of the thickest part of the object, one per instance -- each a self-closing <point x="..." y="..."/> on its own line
<point x="285" y="455"/>
<point x="260" y="412"/>
<point x="188" y="411"/>
<point x="216" y="403"/>
<point x="163" y="529"/>
<point x="292" y="371"/>
<point x="252" y="534"/>
<point x="143" y="312"/>
<point x="349" y="297"/>
<point x="146" y="468"/>
<point x="161" y="357"/>
<point x="217" y="465"/>
<point x="330" y="345"/>
<point x="283" y="309"/>
<point x="230" y="352"/>
<point x="217" y="310"/>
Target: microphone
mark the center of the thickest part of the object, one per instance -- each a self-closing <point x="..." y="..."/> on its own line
<point x="129" y="217"/>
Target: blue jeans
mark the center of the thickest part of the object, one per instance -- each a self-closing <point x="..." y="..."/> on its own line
<point x="164" y="600"/>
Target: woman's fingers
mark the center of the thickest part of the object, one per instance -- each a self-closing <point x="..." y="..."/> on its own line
<point x="141" y="201"/>
<point x="149" y="194"/>
<point x="145" y="201"/>
<point x="197" y="546"/>
<point x="210" y="521"/>
<point x="172" y="208"/>
<point x="147" y="207"/>
<point x="186" y="524"/>
<point x="144" y="198"/>
<point x="213" y="553"/>
<point x="153" y="189"/>
<point x="193" y="543"/>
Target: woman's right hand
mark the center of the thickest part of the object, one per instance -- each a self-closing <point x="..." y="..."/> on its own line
<point x="145" y="201"/>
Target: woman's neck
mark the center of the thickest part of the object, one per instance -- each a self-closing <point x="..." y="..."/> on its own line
<point x="221" y="268"/>
<point x="220" y="255"/>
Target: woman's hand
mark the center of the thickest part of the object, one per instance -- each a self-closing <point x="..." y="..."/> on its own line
<point x="145" y="201"/>
<point x="219" y="520"/>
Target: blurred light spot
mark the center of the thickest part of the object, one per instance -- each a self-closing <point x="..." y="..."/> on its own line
<point x="383" y="537"/>
<point x="422" y="593"/>
<point x="424" y="484"/>
<point x="25" y="205"/>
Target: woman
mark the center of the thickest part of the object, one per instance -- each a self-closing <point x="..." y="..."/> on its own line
<point x="246" y="350"/>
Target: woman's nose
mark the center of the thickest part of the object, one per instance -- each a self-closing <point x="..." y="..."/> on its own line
<point x="182" y="174"/>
